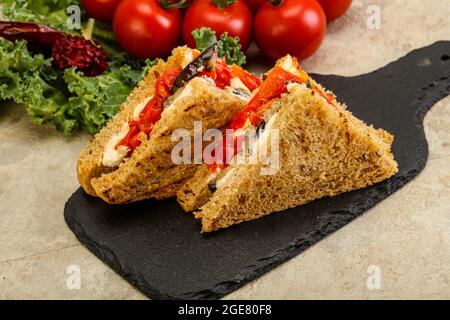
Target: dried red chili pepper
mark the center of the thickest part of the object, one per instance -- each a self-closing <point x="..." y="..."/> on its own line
<point x="40" y="38"/>
<point x="75" y="51"/>
<point x="67" y="50"/>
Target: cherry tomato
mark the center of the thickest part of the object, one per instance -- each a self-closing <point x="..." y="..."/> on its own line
<point x="334" y="8"/>
<point x="236" y="19"/>
<point x="102" y="10"/>
<point x="295" y="27"/>
<point x="145" y="29"/>
<point x="254" y="4"/>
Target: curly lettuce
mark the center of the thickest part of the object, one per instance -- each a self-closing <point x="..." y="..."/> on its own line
<point x="229" y="47"/>
<point x="97" y="99"/>
<point x="65" y="101"/>
<point x="30" y="80"/>
<point x="68" y="100"/>
<point x="49" y="12"/>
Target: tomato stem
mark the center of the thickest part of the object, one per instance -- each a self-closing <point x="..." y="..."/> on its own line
<point x="223" y="3"/>
<point x="167" y="4"/>
<point x="87" y="32"/>
<point x="276" y="3"/>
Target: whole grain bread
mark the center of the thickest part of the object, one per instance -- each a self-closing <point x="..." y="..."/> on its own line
<point x="196" y="191"/>
<point x="89" y="164"/>
<point x="323" y="151"/>
<point x="151" y="167"/>
<point x="150" y="171"/>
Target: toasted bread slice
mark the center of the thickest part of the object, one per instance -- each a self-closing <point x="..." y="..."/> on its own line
<point x="90" y="161"/>
<point x="197" y="191"/>
<point x="111" y="173"/>
<point x="323" y="151"/>
<point x="151" y="167"/>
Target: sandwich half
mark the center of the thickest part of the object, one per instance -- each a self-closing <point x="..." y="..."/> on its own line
<point x="321" y="150"/>
<point x="130" y="159"/>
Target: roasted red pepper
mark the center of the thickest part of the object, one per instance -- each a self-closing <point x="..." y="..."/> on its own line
<point x="151" y="112"/>
<point x="222" y="74"/>
<point x="273" y="87"/>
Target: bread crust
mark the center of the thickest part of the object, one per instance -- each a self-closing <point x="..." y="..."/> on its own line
<point x="324" y="151"/>
<point x="89" y="163"/>
<point x="195" y="192"/>
<point x="151" y="167"/>
<point x="150" y="171"/>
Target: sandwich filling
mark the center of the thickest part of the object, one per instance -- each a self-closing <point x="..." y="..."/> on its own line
<point x="147" y="113"/>
<point x="262" y="109"/>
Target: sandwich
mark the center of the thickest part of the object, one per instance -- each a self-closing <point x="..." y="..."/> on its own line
<point x="130" y="158"/>
<point x="321" y="149"/>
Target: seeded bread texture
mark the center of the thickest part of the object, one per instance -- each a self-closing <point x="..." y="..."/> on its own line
<point x="151" y="167"/>
<point x="196" y="191"/>
<point x="90" y="161"/>
<point x="323" y="151"/>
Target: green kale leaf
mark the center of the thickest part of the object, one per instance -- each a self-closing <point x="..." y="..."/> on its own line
<point x="64" y="100"/>
<point x="50" y="12"/>
<point x="229" y="47"/>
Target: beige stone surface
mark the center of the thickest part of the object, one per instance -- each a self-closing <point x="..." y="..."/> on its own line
<point x="37" y="173"/>
<point x="437" y="129"/>
<point x="49" y="275"/>
<point x="407" y="236"/>
<point x="351" y="48"/>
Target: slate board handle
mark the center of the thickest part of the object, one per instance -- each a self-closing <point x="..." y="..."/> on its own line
<point x="420" y="79"/>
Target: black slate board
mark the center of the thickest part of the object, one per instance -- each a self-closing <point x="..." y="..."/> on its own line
<point x="160" y="250"/>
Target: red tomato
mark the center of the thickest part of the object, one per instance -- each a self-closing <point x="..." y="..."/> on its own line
<point x="334" y="8"/>
<point x="296" y="27"/>
<point x="236" y="19"/>
<point x="145" y="29"/>
<point x="254" y="4"/>
<point x="102" y="10"/>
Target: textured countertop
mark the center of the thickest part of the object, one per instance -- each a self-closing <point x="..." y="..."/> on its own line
<point x="404" y="242"/>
